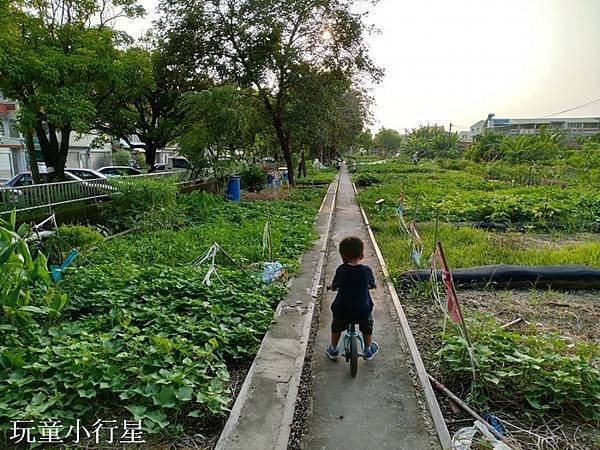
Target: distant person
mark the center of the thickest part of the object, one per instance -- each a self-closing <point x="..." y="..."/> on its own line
<point x="270" y="178"/>
<point x="353" y="303"/>
<point x="415" y="158"/>
<point x="338" y="165"/>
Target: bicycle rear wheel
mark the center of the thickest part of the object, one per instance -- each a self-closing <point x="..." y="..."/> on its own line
<point x="353" y="356"/>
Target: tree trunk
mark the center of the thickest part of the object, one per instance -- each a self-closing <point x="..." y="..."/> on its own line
<point x="63" y="151"/>
<point x="284" y="142"/>
<point x="33" y="166"/>
<point x="302" y="165"/>
<point x="282" y="136"/>
<point x="151" y="148"/>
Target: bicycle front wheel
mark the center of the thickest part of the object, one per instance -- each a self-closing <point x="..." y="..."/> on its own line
<point x="353" y="356"/>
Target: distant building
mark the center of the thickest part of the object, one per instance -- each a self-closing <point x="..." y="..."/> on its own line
<point x="12" y="158"/>
<point x="162" y="155"/>
<point x="465" y="137"/>
<point x="580" y="126"/>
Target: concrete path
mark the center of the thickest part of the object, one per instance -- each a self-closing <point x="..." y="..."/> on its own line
<point x="378" y="409"/>
<point x="263" y="411"/>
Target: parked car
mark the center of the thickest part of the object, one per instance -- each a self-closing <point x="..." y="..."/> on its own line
<point x="176" y="163"/>
<point x="119" y="171"/>
<point x="86" y="174"/>
<point x="25" y="179"/>
<point x="11" y="194"/>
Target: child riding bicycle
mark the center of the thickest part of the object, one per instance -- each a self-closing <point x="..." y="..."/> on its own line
<point x="353" y="303"/>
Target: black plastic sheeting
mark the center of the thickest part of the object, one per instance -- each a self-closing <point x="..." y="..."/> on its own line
<point x="503" y="275"/>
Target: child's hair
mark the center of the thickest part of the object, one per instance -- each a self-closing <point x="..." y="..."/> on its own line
<point x="352" y="247"/>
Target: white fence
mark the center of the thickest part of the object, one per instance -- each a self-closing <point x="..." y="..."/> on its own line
<point x="27" y="198"/>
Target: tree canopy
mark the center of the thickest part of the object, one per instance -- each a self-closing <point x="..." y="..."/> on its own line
<point x="268" y="47"/>
<point x="59" y="57"/>
<point x="387" y="140"/>
<point x="142" y="101"/>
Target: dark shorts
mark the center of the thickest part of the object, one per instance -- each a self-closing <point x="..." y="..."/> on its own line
<point x="365" y="326"/>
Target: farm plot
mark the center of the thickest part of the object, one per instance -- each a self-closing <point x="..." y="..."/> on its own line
<point x="541" y="376"/>
<point x="143" y="336"/>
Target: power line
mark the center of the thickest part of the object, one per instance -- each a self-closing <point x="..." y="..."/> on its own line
<point x="583" y="105"/>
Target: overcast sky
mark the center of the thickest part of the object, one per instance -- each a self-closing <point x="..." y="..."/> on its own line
<point x="458" y="60"/>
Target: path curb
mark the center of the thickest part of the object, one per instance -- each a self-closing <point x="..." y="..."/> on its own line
<point x="282" y="394"/>
<point x="432" y="403"/>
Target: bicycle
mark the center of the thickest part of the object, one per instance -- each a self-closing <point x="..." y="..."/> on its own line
<point x="351" y="342"/>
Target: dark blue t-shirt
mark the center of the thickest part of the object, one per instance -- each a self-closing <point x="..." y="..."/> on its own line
<point x="353" y="300"/>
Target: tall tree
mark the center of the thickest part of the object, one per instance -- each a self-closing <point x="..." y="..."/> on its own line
<point x="327" y="114"/>
<point x="365" y="141"/>
<point x="387" y="140"/>
<point x="432" y="141"/>
<point x="266" y="47"/>
<point x="219" y="122"/>
<point x="61" y="57"/>
<point x="143" y="102"/>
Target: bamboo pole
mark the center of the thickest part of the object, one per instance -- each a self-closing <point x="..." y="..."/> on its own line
<point x="511" y="323"/>
<point x="466" y="407"/>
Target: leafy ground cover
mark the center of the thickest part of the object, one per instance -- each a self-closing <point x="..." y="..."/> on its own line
<point x="141" y="336"/>
<point x="542" y="375"/>
<point x="317" y="176"/>
<point x="467" y="196"/>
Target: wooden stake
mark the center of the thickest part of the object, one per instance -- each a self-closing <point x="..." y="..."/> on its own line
<point x="436" y="233"/>
<point x="462" y="318"/>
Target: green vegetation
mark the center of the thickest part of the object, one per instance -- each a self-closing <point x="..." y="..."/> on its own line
<point x="25" y="285"/>
<point x="556" y="204"/>
<point x="317" y="176"/>
<point x="68" y="237"/>
<point x="142" y="202"/>
<point x="467" y="247"/>
<point x="544" y="371"/>
<point x="467" y="195"/>
<point x="141" y="335"/>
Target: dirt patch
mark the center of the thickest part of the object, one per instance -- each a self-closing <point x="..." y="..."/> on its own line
<point x="524" y="241"/>
<point x="574" y="315"/>
<point x="266" y="194"/>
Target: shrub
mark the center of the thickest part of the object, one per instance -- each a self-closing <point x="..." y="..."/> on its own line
<point x="121" y="158"/>
<point x="141" y="161"/>
<point x="365" y="179"/>
<point x="69" y="237"/>
<point x="252" y="178"/>
<point x="545" y="372"/>
<point x="148" y="202"/>
<point x="25" y="284"/>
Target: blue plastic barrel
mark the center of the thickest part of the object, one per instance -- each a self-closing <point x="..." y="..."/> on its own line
<point x="233" y="188"/>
